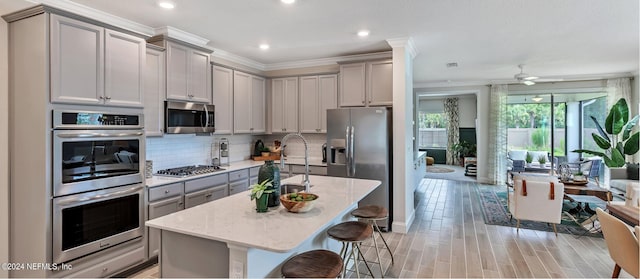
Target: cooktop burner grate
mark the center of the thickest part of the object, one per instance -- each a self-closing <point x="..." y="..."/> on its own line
<point x="189" y="171"/>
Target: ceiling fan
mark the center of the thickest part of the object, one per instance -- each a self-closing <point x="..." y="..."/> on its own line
<point x="527" y="79"/>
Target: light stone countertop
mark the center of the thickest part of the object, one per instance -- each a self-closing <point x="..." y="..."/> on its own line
<point x="233" y="219"/>
<point x="157" y="180"/>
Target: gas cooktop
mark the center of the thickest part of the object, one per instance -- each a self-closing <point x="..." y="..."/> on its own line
<point x="189" y="171"/>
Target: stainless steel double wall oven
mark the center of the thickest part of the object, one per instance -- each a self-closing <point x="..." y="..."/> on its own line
<point x="98" y="189"/>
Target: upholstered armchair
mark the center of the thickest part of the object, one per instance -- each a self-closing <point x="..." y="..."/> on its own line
<point x="515" y="160"/>
<point x="536" y="198"/>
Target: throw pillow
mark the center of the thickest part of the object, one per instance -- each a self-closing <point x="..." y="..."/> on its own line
<point x="632" y="171"/>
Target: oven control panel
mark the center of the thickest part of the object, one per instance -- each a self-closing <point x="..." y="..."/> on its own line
<point x="95" y="120"/>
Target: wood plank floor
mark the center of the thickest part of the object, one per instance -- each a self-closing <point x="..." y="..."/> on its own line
<point x="450" y="239"/>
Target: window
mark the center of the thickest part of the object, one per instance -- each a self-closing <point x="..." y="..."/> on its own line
<point x="433" y="132"/>
<point x="598" y="109"/>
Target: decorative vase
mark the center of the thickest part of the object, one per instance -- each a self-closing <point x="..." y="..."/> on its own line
<point x="261" y="203"/>
<point x="270" y="171"/>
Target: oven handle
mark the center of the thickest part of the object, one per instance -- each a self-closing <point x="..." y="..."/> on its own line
<point x="98" y="197"/>
<point x="100" y="135"/>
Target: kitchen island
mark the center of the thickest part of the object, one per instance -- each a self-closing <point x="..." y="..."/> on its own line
<point x="228" y="238"/>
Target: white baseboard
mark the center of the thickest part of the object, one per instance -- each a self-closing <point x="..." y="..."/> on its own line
<point x="403" y="227"/>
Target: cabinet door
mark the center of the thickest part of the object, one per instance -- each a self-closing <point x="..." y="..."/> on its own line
<point x="199" y="87"/>
<point x="352" y="85"/>
<point x="277" y="105"/>
<point x="284" y="105"/>
<point x="154" y="92"/>
<point x="380" y="83"/>
<point x="77" y="61"/>
<point x="242" y="102"/>
<point x="196" y="198"/>
<point x="223" y="99"/>
<point x="177" y="71"/>
<point x="159" y="209"/>
<point x="328" y="98"/>
<point x="218" y="192"/>
<point x="309" y="106"/>
<point x="124" y="68"/>
<point x="258" y="105"/>
<point x="238" y="187"/>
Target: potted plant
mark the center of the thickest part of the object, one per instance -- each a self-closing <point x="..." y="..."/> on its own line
<point x="265" y="151"/>
<point x="463" y="149"/>
<point x="578" y="176"/>
<point x="616" y="139"/>
<point x="542" y="160"/>
<point x="528" y="158"/>
<point x="260" y="192"/>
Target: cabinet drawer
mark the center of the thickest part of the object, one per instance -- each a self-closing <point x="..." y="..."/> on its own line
<point x="205" y="182"/>
<point x="254" y="171"/>
<point x="239" y="174"/>
<point x="113" y="265"/>
<point x="166" y="191"/>
<point x="315" y="170"/>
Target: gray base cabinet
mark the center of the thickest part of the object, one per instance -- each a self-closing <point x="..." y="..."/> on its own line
<point x="163" y="200"/>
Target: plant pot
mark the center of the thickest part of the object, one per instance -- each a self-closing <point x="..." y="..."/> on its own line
<point x="528" y="165"/>
<point x="266" y="154"/>
<point x="261" y="203"/>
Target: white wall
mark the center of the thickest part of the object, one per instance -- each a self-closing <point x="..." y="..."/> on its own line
<point x="635" y="105"/>
<point x="467" y="107"/>
<point x="4" y="148"/>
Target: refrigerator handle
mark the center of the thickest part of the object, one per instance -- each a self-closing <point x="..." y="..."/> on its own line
<point x="346" y="153"/>
<point x="352" y="156"/>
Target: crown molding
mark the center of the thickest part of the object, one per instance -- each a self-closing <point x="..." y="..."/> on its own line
<point x="222" y="54"/>
<point x="181" y="35"/>
<point x="328" y="61"/>
<point x="406" y="43"/>
<point x="450" y="84"/>
<point x="97" y="15"/>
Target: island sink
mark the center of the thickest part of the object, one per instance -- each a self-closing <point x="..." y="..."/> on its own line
<point x="291" y="188"/>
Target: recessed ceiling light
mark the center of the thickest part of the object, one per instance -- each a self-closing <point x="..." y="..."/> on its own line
<point x="166" y="5"/>
<point x="363" y="33"/>
<point x="264" y="46"/>
<point x="452" y="65"/>
<point x="288" y="1"/>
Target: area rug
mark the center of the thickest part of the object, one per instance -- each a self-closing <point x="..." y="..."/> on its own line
<point x="438" y="169"/>
<point x="495" y="212"/>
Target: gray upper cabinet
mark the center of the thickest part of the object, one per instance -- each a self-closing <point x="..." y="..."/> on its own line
<point x="317" y="94"/>
<point x="94" y="65"/>
<point x="222" y="79"/>
<point x="248" y="103"/>
<point x="77" y="61"/>
<point x="187" y="74"/>
<point x="366" y="84"/>
<point x="352" y="85"/>
<point x="284" y="104"/>
<point x="154" y="92"/>
<point x="124" y="57"/>
<point x="380" y="83"/>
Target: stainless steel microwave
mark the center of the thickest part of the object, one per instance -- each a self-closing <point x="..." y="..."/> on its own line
<point x="188" y="118"/>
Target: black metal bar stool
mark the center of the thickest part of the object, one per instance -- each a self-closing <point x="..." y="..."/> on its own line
<point x="313" y="264"/>
<point x="351" y="234"/>
<point x="372" y="214"/>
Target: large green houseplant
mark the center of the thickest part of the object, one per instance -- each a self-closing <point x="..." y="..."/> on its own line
<point x="616" y="139"/>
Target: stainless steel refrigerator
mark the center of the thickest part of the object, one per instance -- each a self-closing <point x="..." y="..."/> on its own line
<point x="359" y="146"/>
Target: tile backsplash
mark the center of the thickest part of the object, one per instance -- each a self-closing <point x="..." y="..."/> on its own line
<point x="295" y="146"/>
<point x="172" y="151"/>
<point x="181" y="150"/>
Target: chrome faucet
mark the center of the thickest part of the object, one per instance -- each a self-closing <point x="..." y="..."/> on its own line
<point x="305" y="182"/>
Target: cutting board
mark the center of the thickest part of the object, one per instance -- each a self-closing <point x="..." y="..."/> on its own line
<point x="266" y="158"/>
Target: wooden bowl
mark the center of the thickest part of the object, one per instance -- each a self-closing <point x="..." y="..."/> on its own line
<point x="298" y="206"/>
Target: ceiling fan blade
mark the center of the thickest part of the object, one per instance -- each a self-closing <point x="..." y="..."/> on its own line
<point x="530" y="78"/>
<point x="528" y="82"/>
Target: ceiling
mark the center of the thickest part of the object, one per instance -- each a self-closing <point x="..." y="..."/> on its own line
<point x="570" y="39"/>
